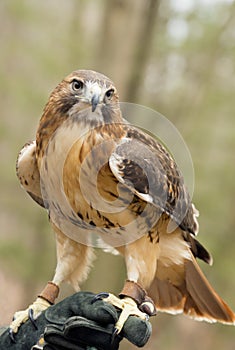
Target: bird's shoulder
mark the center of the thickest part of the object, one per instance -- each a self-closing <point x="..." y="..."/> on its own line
<point x="145" y="166"/>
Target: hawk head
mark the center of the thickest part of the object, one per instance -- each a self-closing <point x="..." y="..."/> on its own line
<point x="83" y="97"/>
<point x="85" y="90"/>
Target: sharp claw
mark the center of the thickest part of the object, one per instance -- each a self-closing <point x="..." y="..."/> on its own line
<point x="114" y="339"/>
<point x="115" y="333"/>
<point x="100" y="296"/>
<point x="12" y="335"/>
<point x="32" y="319"/>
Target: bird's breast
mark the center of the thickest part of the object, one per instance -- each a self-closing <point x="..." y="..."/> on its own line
<point x="81" y="191"/>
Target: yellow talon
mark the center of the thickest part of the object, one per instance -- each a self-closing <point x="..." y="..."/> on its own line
<point x="21" y="317"/>
<point x="128" y="307"/>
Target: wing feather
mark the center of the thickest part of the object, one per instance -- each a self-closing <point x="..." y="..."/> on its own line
<point x="28" y="173"/>
<point x="144" y="166"/>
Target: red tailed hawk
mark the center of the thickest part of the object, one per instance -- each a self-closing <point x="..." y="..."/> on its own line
<point x="95" y="173"/>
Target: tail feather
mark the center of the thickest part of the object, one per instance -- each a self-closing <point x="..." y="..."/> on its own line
<point x="190" y="293"/>
<point x="202" y="301"/>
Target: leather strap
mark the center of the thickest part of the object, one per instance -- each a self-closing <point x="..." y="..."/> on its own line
<point x="50" y="292"/>
<point x="139" y="295"/>
<point x="133" y="290"/>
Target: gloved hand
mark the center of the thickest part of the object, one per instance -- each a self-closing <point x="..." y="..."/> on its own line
<point x="76" y="324"/>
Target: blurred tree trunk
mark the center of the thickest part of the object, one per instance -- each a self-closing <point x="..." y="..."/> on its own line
<point x="125" y="45"/>
<point x="142" y="50"/>
<point x="75" y="37"/>
<point x="117" y="35"/>
<point x="125" y="42"/>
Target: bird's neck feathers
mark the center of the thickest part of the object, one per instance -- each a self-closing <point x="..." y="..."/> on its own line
<point x="102" y="115"/>
<point x="56" y="114"/>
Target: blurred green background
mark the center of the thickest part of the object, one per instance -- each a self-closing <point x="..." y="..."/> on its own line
<point x="177" y="57"/>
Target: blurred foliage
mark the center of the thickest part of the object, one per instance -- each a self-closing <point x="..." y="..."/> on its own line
<point x="177" y="57"/>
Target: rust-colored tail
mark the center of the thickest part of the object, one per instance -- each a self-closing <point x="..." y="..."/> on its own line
<point x="190" y="293"/>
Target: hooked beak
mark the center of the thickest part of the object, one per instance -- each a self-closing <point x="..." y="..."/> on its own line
<point x="93" y="94"/>
<point x="94" y="101"/>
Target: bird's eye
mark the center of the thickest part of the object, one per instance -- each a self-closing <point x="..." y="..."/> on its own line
<point x="109" y="94"/>
<point x="77" y="85"/>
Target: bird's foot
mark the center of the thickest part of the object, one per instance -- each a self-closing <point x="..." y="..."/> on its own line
<point x="133" y="301"/>
<point x="31" y="313"/>
<point x="128" y="307"/>
<point x="44" y="300"/>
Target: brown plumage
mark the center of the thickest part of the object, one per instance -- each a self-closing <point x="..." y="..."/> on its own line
<point x="99" y="174"/>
